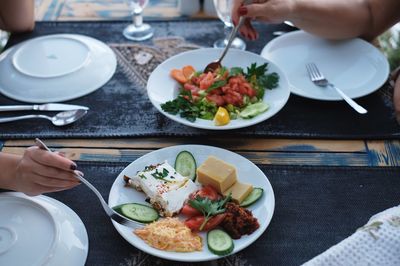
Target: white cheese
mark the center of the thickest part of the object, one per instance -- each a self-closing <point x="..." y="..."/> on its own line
<point x="166" y="188"/>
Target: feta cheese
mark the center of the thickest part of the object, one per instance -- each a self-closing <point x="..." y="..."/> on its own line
<point x="166" y="188"/>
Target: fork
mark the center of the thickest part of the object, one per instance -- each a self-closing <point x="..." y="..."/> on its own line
<point x="110" y="212"/>
<point x="318" y="79"/>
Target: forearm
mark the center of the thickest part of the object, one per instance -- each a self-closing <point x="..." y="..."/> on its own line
<point x="17" y="15"/>
<point x="345" y="18"/>
<point x="8" y="166"/>
<point x="332" y="19"/>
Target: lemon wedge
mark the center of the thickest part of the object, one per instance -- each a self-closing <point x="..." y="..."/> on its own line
<point x="221" y="117"/>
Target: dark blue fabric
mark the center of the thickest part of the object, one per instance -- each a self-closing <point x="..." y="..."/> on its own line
<point x="121" y="109"/>
<point x="316" y="207"/>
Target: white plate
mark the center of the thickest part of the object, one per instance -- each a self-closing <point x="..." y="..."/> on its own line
<point x="162" y="88"/>
<point x="40" y="231"/>
<point x="355" y="66"/>
<point x="248" y="172"/>
<point x="55" y="68"/>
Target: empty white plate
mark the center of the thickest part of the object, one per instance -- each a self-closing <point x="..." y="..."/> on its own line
<point x="40" y="231"/>
<point x="355" y="66"/>
<point x="55" y="68"/>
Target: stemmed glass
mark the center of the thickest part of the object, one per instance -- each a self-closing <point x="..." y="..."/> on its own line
<point x="138" y="31"/>
<point x="224" y="9"/>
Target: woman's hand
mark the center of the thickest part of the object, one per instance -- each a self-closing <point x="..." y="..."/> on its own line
<point x="272" y="11"/>
<point x="40" y="171"/>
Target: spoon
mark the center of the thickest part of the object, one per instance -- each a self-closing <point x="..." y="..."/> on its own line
<point x="60" y="119"/>
<point x="110" y="212"/>
<point x="211" y="67"/>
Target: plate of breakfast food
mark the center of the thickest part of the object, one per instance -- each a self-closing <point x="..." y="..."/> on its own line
<point x="196" y="202"/>
<point x="247" y="89"/>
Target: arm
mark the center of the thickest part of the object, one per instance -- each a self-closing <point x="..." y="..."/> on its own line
<point x="333" y="19"/>
<point x="17" y="15"/>
<point x="36" y="172"/>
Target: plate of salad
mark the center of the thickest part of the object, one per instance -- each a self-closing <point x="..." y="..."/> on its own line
<point x="259" y="204"/>
<point x="246" y="90"/>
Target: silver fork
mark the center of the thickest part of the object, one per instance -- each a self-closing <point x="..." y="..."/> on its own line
<point x="318" y="78"/>
<point x="110" y="212"/>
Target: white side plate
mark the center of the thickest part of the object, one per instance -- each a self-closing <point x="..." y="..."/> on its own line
<point x="40" y="231"/>
<point x="247" y="172"/>
<point x="355" y="66"/>
<point x="55" y="68"/>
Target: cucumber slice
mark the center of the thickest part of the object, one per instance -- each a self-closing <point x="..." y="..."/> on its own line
<point x="185" y="164"/>
<point x="252" y="197"/>
<point x="219" y="242"/>
<point x="138" y="212"/>
<point x="254" y="110"/>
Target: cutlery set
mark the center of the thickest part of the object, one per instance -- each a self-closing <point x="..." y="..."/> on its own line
<point x="68" y="115"/>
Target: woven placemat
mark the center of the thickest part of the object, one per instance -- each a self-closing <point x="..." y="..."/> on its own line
<point x="121" y="107"/>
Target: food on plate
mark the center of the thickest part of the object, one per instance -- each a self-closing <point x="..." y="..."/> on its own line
<point x="219" y="242"/>
<point x="138" y="212"/>
<point x="252" y="197"/>
<point x="239" y="191"/>
<point x="210" y="204"/>
<point x="166" y="189"/>
<point x="212" y="212"/>
<point x="201" y="95"/>
<point x="239" y="221"/>
<point x="185" y="164"/>
<point x="170" y="234"/>
<point x="221" y="118"/>
<point x="217" y="173"/>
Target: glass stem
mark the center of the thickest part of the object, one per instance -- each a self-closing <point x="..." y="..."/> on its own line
<point x="227" y="32"/>
<point x="137" y="19"/>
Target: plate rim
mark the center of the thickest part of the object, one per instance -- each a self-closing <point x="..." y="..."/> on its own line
<point x="63" y="210"/>
<point x="159" y="253"/>
<point x="254" y="121"/>
<point x="8" y="54"/>
<point x="293" y="88"/>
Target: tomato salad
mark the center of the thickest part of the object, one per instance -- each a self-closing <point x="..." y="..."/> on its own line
<point x="221" y="95"/>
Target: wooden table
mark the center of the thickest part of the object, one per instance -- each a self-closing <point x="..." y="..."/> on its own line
<point x="380" y="153"/>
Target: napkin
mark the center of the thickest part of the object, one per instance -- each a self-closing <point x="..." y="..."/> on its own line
<point x="376" y="243"/>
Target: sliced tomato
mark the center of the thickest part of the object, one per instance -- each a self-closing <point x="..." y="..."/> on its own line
<point x="195" y="222"/>
<point x="190" y="211"/>
<point x="207" y="192"/>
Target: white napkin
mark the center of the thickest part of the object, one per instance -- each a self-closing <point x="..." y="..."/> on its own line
<point x="376" y="243"/>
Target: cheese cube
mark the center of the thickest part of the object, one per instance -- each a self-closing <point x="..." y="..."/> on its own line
<point x="239" y="191"/>
<point x="216" y="173"/>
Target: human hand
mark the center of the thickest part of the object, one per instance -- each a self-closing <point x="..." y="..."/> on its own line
<point x="271" y="11"/>
<point x="40" y="171"/>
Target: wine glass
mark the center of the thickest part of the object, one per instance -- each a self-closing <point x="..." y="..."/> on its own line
<point x="224" y="9"/>
<point x="138" y="31"/>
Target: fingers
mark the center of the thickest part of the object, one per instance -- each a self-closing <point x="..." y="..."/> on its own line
<point x="54" y="182"/>
<point x="36" y="189"/>
<point x="49" y="158"/>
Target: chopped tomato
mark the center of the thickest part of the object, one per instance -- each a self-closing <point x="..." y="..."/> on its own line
<point x="188" y="72"/>
<point x="177" y="74"/>
<point x="206" y="80"/>
<point x="195" y="222"/>
<point x="190" y="211"/>
<point x="207" y="192"/>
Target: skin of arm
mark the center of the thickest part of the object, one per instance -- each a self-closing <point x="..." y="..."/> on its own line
<point x="17" y="15"/>
<point x="332" y="19"/>
<point x="36" y="172"/>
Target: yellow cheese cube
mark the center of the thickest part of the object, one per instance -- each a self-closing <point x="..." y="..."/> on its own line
<point x="216" y="173"/>
<point x="239" y="191"/>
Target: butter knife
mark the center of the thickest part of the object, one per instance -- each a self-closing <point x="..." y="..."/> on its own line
<point x="43" y="107"/>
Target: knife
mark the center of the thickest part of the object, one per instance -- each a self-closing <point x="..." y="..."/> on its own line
<point x="43" y="107"/>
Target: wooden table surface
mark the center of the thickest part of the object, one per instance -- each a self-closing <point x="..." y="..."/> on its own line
<point x="380" y="153"/>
